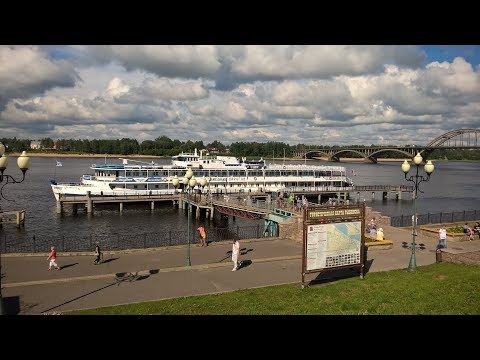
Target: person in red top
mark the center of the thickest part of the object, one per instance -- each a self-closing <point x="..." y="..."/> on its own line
<point x="52" y="256"/>
<point x="203" y="235"/>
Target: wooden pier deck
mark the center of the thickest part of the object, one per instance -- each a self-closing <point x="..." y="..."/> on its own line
<point x="89" y="201"/>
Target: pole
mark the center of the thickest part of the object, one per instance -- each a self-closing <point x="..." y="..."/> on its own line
<point x="2" y="310"/>
<point x="188" y="230"/>
<point x="412" y="266"/>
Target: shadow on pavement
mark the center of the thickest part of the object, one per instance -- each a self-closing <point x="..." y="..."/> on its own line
<point x="68" y="265"/>
<point x="420" y="246"/>
<point x="368" y="265"/>
<point x="127" y="276"/>
<point x="244" y="263"/>
<point x="244" y="251"/>
<point x="108" y="260"/>
<point x="11" y="305"/>
<point x="78" y="297"/>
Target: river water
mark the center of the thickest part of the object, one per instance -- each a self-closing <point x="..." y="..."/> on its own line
<point x="454" y="186"/>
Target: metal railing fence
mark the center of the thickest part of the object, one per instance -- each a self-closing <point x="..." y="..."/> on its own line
<point x="40" y="244"/>
<point x="436" y="218"/>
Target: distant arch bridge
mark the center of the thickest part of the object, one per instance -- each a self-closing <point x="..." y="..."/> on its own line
<point x="455" y="139"/>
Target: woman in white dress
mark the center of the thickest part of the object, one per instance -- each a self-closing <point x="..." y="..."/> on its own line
<point x="235" y="252"/>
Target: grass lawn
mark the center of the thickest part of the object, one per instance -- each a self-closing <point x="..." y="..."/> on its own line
<point x="436" y="289"/>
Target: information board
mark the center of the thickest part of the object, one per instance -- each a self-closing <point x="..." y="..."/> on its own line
<point x="332" y="245"/>
<point x="333" y="238"/>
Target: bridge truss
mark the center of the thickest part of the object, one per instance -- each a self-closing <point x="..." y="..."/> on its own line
<point x="456" y="139"/>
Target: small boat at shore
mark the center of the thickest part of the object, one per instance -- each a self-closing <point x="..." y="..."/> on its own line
<point x="217" y="174"/>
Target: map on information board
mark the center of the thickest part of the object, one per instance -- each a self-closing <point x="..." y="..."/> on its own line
<point x="332" y="245"/>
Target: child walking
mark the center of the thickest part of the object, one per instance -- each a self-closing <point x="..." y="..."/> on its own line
<point x="52" y="257"/>
<point x="203" y="236"/>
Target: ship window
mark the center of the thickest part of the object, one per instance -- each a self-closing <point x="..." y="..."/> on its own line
<point x="134" y="186"/>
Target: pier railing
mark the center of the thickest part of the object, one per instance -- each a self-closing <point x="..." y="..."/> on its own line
<point x="41" y="244"/>
<point x="436" y="218"/>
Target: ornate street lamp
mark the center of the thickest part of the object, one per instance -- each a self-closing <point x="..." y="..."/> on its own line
<point x="416" y="179"/>
<point x="175" y="183"/>
<point x="190" y="181"/>
<point x="203" y="181"/>
<point x="23" y="163"/>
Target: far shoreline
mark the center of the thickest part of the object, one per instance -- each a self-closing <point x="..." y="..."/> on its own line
<point x="117" y="156"/>
<point x="82" y="155"/>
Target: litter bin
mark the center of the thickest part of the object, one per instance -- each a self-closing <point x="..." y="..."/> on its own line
<point x="438" y="255"/>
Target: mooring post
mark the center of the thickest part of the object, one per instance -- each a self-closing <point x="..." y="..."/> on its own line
<point x="89" y="203"/>
<point x="59" y="207"/>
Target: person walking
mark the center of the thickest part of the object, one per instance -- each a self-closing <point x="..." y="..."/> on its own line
<point x="203" y="235"/>
<point x="476" y="229"/>
<point x="52" y="257"/>
<point x="235" y="253"/>
<point x="98" y="254"/>
<point x="442" y="237"/>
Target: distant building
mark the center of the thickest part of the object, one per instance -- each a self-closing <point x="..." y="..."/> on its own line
<point x="35" y="145"/>
<point x="212" y="150"/>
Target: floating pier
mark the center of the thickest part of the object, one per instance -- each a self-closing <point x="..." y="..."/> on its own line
<point x="12" y="217"/>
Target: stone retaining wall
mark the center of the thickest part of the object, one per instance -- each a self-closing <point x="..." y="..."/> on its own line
<point x="469" y="258"/>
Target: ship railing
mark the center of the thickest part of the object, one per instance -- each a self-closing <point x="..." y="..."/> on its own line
<point x="108" y="194"/>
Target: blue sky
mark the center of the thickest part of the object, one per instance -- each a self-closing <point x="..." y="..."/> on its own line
<point x="471" y="53"/>
<point x="297" y="94"/>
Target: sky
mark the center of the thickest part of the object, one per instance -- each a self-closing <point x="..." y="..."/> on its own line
<point x="296" y="94"/>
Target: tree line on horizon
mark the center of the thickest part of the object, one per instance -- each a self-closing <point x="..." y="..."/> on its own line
<point x="164" y="146"/>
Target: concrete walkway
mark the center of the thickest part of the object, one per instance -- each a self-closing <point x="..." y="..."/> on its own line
<point x="29" y="288"/>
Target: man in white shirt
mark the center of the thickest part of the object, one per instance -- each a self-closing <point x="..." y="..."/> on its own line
<point x="442" y="237"/>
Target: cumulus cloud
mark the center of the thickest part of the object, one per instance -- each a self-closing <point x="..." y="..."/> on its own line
<point x="295" y="94"/>
<point x="28" y="70"/>
<point x="163" y="60"/>
<point x="457" y="81"/>
<point x="322" y="61"/>
<point x="151" y="91"/>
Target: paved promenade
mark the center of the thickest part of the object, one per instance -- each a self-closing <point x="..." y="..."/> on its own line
<point x="29" y="288"/>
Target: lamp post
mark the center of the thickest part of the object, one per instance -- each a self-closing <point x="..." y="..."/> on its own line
<point x="189" y="181"/>
<point x="23" y="163"/>
<point x="416" y="179"/>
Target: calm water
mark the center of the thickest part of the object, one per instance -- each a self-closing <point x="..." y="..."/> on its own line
<point x="454" y="186"/>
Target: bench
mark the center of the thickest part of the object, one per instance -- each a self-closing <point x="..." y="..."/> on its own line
<point x="387" y="244"/>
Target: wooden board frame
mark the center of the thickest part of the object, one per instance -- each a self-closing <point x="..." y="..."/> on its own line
<point x="321" y="215"/>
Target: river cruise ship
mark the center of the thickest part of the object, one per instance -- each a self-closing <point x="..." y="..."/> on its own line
<point x="217" y="174"/>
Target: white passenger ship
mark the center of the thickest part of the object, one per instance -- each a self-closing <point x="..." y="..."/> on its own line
<point x="220" y="174"/>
